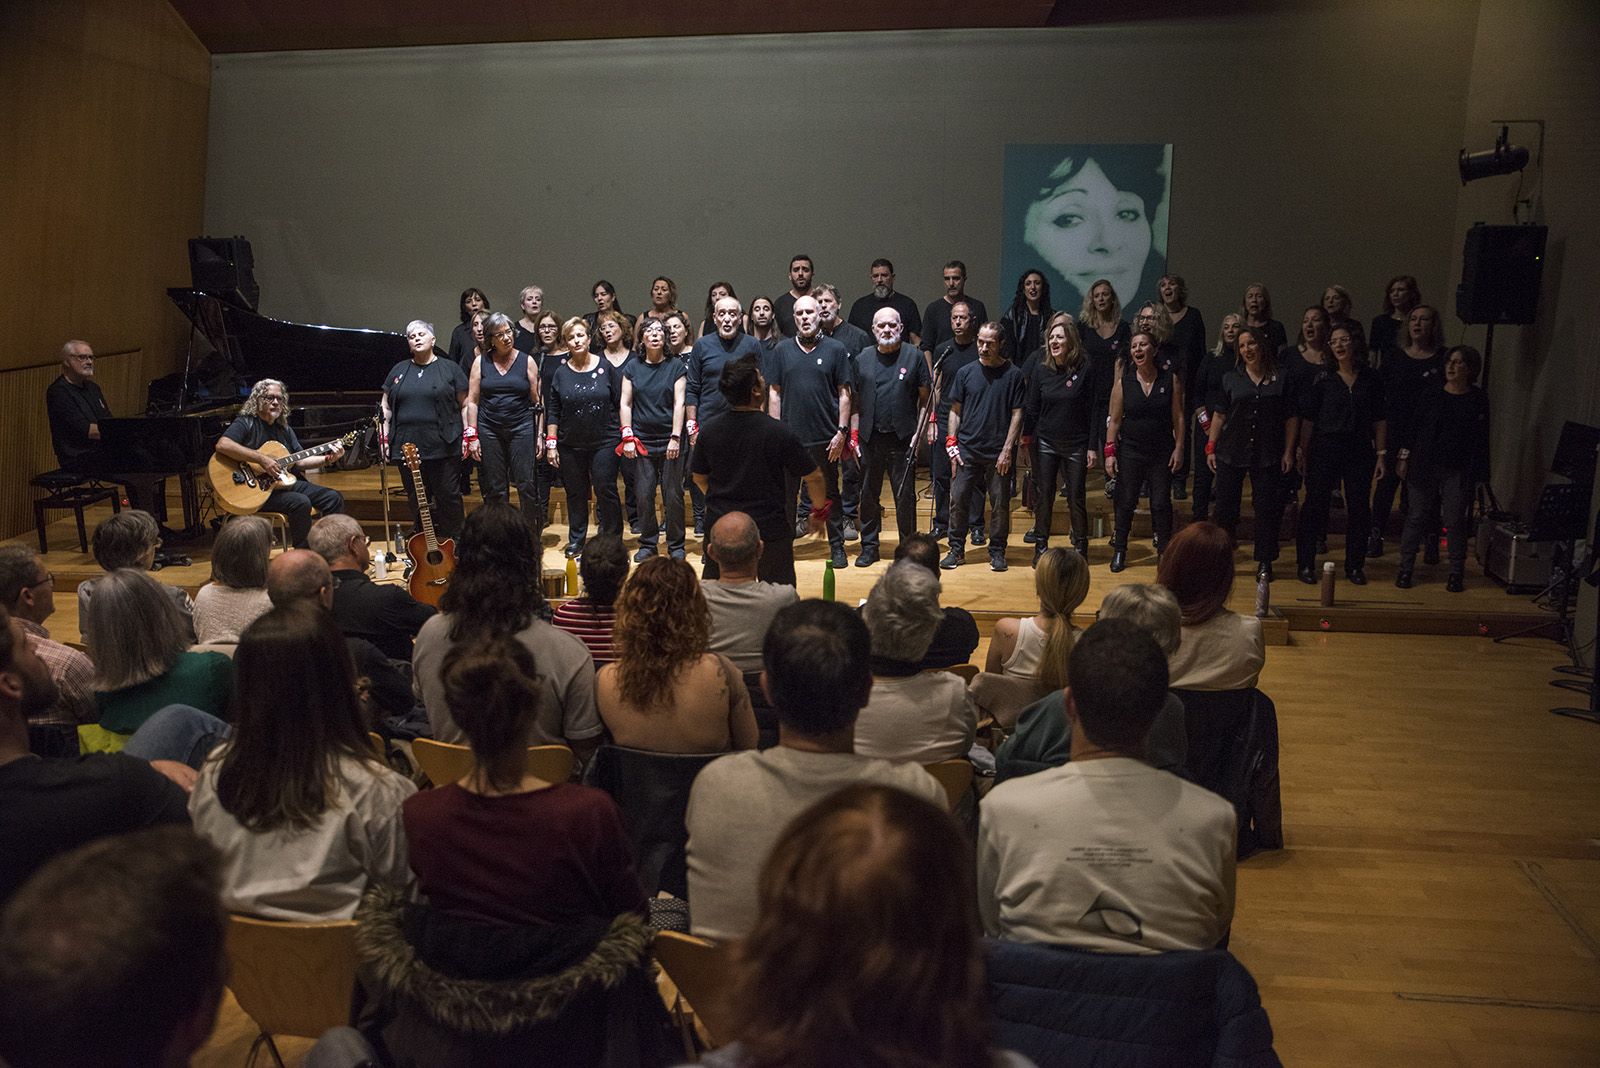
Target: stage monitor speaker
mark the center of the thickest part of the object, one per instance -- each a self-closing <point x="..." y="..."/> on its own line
<point x="224" y="267"/>
<point x="1501" y="267"/>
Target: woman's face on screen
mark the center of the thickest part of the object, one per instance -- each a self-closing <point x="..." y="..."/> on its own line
<point x="1087" y="228"/>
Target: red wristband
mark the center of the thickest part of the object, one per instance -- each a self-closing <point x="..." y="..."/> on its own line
<point x="1211" y="448"/>
<point x="1110" y="449"/>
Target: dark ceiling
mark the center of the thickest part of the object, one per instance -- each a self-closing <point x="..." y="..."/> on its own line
<point x="291" y="25"/>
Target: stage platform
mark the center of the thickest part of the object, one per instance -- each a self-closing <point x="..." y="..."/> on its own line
<point x="1483" y="609"/>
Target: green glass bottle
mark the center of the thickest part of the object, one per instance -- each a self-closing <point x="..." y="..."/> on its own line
<point x="827" y="581"/>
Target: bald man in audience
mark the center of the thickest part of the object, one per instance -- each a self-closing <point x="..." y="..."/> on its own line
<point x="302" y="575"/>
<point x="387" y="616"/>
<point x="742" y="605"/>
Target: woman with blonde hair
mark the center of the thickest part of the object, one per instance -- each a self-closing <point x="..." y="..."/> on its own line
<point x="1036" y="647"/>
<point x="1105" y="334"/>
<point x="1059" y="404"/>
<point x="581" y="434"/>
<point x="667" y="692"/>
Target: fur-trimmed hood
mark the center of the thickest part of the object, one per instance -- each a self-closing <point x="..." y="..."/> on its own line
<point x="486" y="1006"/>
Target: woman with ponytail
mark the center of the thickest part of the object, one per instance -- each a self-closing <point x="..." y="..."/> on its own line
<point x="1037" y="647"/>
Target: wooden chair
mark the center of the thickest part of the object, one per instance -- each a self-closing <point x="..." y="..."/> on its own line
<point x="699" y="969"/>
<point x="291" y="978"/>
<point x="954" y="775"/>
<point x="968" y="672"/>
<point x="445" y="763"/>
<point x="379" y="746"/>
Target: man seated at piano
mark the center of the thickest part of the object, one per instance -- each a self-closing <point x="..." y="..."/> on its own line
<point x="264" y="417"/>
<point x="76" y="405"/>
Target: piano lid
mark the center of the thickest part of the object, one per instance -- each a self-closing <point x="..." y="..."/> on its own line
<point x="307" y="359"/>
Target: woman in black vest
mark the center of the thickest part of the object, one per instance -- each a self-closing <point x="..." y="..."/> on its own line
<point x="1144" y="439"/>
<point x="503" y="386"/>
<point x="581" y="436"/>
<point x="1253" y="428"/>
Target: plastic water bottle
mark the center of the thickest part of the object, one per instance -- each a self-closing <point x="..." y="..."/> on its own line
<point x="827" y="581"/>
<point x="572" y="576"/>
<point x="380" y="565"/>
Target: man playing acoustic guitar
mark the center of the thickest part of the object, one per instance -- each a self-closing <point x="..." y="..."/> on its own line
<point x="264" y="417"/>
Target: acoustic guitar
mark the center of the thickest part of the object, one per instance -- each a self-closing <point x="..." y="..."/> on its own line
<point x="242" y="487"/>
<point x="432" y="560"/>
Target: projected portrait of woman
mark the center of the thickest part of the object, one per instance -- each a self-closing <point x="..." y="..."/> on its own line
<point x="1082" y="212"/>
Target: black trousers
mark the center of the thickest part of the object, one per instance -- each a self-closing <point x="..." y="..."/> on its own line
<point x="1132" y="470"/>
<point x="940" y="476"/>
<point x="295" y="503"/>
<point x="884" y="452"/>
<point x="1266" y="489"/>
<point x="629" y="496"/>
<point x="852" y="473"/>
<point x="583" y="470"/>
<point x="441" y="481"/>
<point x="1332" y="463"/>
<point x="1437" y="497"/>
<point x="511" y="455"/>
<point x="1070" y="468"/>
<point x="830" y="478"/>
<point x="1200" y="500"/>
<point x="650" y="472"/>
<point x="1383" y="497"/>
<point x="973" y="478"/>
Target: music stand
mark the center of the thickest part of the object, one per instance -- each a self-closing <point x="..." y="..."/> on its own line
<point x="1561" y="518"/>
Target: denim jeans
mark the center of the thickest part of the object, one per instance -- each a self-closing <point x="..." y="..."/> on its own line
<point x="648" y="473"/>
<point x="177" y="732"/>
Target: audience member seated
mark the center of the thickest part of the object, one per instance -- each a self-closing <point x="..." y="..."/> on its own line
<point x="1036" y="647"/>
<point x="304" y="814"/>
<point x="1042" y="739"/>
<point x="603" y="568"/>
<point x="666" y="692"/>
<point x="496" y="592"/>
<point x="300" y="575"/>
<point x="385" y="615"/>
<point x="957" y="637"/>
<point x="913" y="716"/>
<point x="48" y="806"/>
<point x="137" y="641"/>
<point x="28" y="591"/>
<point x="129" y="538"/>
<point x="742" y="605"/>
<point x="114" y="955"/>
<point x="1220" y="649"/>
<point x="818" y="676"/>
<point x="864" y="910"/>
<point x="534" y="912"/>
<point x="236" y="596"/>
<point x="1107" y="853"/>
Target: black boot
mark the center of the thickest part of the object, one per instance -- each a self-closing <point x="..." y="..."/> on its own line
<point x="1081" y="547"/>
<point x="1119" y="560"/>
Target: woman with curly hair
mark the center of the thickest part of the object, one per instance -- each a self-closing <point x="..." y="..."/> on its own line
<point x="667" y="692"/>
<point x="867" y="903"/>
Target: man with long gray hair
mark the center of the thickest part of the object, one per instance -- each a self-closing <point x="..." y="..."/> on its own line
<point x="264" y="417"/>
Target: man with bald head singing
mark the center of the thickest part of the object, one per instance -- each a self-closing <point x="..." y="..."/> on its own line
<point x="891" y="389"/>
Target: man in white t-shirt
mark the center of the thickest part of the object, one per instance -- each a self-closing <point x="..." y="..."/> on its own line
<point x="1107" y="853"/>
<point x="818" y="676"/>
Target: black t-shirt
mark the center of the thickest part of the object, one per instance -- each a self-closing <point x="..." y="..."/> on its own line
<point x="748" y="458"/>
<point x="1452" y="433"/>
<point x="462" y="344"/>
<point x="948" y="360"/>
<point x="987" y="397"/>
<point x="886" y="386"/>
<point x="809" y="384"/>
<point x="72" y="409"/>
<point x="48" y="807"/>
<point x="852" y="338"/>
<point x="1277" y="336"/>
<point x="253" y="433"/>
<point x="1337" y="410"/>
<point x="505" y="401"/>
<point x="1255" y="419"/>
<point x="654" y="394"/>
<point x="936" y="321"/>
<point x="425" y="407"/>
<point x="1059" y="406"/>
<point x="783" y="313"/>
<point x="1146" y="429"/>
<point x="1189" y="338"/>
<point x="862" y="311"/>
<point x="583" y="405"/>
<point x="523" y="339"/>
<point x="1385" y="334"/>
<point x="1405" y="382"/>
<point x="705" y="363"/>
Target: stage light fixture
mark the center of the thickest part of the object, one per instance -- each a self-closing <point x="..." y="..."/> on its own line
<point x="1503" y="158"/>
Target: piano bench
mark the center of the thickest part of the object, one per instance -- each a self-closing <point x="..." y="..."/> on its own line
<point x="67" y="490"/>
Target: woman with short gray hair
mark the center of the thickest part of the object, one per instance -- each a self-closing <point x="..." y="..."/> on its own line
<point x="137" y="640"/>
<point x="1152" y="607"/>
<point x="508" y="411"/>
<point x="425" y="404"/>
<point x="236" y="596"/>
<point x="911" y="716"/>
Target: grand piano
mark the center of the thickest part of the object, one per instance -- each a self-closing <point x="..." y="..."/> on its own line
<point x="334" y="375"/>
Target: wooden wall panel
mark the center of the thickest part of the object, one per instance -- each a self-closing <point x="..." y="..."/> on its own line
<point x="103" y="133"/>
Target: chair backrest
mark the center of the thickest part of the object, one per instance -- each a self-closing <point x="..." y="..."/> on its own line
<point x="652" y="792"/>
<point x="766" y="715"/>
<point x="292" y="978"/>
<point x="445" y="763"/>
<point x="227" y="649"/>
<point x="1233" y="752"/>
<point x="968" y="672"/>
<point x="954" y="775"/>
<point x="1004" y="696"/>
<point x="379" y="746"/>
<point x="699" y="969"/>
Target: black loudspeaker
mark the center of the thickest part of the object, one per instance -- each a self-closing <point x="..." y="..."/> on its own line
<point x="224" y="267"/>
<point x="1501" y="267"/>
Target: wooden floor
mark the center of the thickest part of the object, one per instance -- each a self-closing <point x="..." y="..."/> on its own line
<point x="1438" y="901"/>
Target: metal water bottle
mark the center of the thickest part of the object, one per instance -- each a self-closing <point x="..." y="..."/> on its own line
<point x="1263" y="595"/>
<point x="1327" y="584"/>
<point x="827" y="581"/>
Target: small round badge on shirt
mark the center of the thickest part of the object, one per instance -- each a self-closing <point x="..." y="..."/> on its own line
<point x="819" y="361"/>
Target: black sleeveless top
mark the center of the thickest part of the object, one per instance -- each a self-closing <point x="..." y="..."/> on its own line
<point x="1146" y="420"/>
<point x="503" y="399"/>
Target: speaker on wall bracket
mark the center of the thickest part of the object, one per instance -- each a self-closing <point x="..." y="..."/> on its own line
<point x="224" y="267"/>
<point x="1501" y="269"/>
